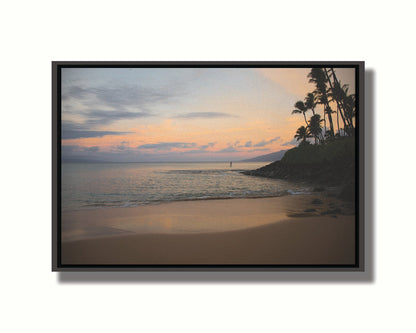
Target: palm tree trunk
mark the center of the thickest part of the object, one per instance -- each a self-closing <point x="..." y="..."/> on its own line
<point x="304" y="116"/>
<point x="332" y="88"/>
<point x="339" y="103"/>
<point x="331" y="124"/>
<point x="338" y="121"/>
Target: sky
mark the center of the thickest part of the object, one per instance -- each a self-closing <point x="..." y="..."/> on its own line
<point x="182" y="114"/>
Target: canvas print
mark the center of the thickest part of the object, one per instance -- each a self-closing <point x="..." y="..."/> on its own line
<point x="201" y="165"/>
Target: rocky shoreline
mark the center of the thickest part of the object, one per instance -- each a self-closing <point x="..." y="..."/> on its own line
<point x="319" y="176"/>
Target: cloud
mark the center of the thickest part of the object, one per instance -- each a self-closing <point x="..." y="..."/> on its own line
<point x="232" y="149"/>
<point x="261" y="144"/>
<point x="258" y="149"/>
<point x="120" y="96"/>
<point x="99" y="106"/>
<point x="266" y="142"/>
<point x="71" y="130"/>
<point x="65" y="149"/>
<point x="292" y="142"/>
<point x="203" y="147"/>
<point x="69" y="148"/>
<point x="229" y="149"/>
<point x="197" y="151"/>
<point x="92" y="149"/>
<point x="250" y="144"/>
<point x="124" y="145"/>
<point x="167" y="145"/>
<point x="66" y="135"/>
<point x="101" y="117"/>
<point x="206" y="115"/>
<point x="74" y="92"/>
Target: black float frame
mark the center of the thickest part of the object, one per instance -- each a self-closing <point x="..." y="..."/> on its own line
<point x="359" y="66"/>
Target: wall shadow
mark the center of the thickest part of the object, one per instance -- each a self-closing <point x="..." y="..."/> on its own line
<point x="255" y="277"/>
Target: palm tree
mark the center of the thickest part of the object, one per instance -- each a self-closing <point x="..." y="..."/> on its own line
<point x="302" y="134"/>
<point x="338" y="84"/>
<point x="315" y="127"/>
<point x="338" y="94"/>
<point x="349" y="104"/>
<point x="345" y="102"/>
<point x="330" y="91"/>
<point x="310" y="102"/>
<point x="300" y="108"/>
<point x="318" y="76"/>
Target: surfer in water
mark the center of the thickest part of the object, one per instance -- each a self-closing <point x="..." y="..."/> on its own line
<point x="231" y="164"/>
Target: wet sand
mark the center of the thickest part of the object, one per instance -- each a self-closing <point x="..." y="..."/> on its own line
<point x="303" y="229"/>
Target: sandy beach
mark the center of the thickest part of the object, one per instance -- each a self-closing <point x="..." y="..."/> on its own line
<point x="297" y="229"/>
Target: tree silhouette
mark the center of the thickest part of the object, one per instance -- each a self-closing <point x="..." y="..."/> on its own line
<point x="310" y="102"/>
<point x="315" y="127"/>
<point x="302" y="134"/>
<point x="349" y="104"/>
<point x="330" y="93"/>
<point x="300" y="108"/>
<point x="318" y="76"/>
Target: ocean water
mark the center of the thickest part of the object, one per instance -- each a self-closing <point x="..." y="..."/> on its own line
<point x="101" y="185"/>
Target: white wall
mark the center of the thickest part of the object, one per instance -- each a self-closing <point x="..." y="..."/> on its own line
<point x="33" y="33"/>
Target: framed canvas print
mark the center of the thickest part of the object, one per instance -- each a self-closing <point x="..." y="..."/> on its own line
<point x="208" y="166"/>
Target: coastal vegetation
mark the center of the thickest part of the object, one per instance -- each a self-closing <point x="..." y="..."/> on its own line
<point x="325" y="155"/>
<point x="334" y="101"/>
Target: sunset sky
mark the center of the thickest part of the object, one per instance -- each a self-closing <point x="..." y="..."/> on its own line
<point x="182" y="114"/>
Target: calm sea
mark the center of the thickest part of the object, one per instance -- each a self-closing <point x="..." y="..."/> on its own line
<point x="100" y="185"/>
